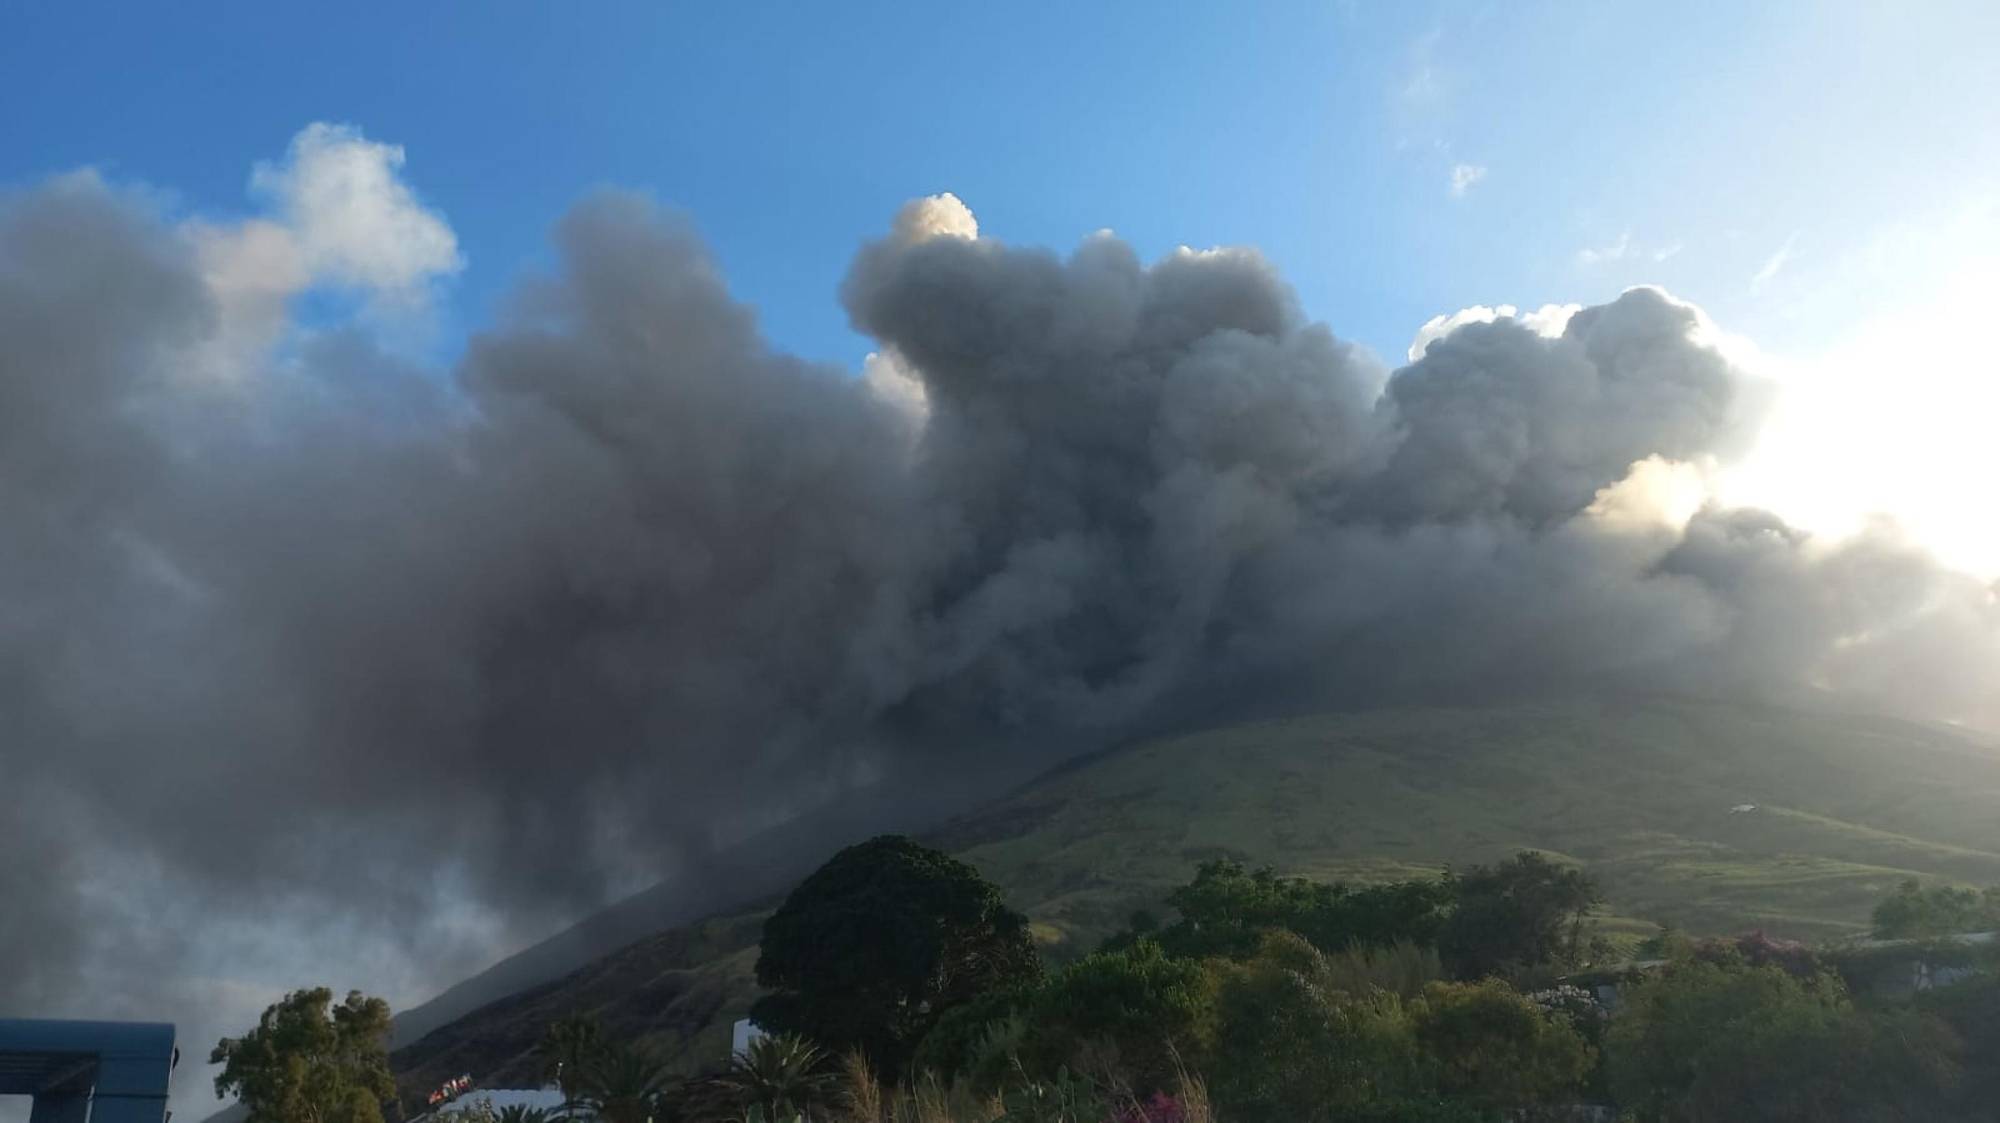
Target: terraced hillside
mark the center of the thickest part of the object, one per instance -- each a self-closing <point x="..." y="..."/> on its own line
<point x="1644" y="793"/>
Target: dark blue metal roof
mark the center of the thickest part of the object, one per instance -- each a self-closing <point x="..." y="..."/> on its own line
<point x="112" y="1062"/>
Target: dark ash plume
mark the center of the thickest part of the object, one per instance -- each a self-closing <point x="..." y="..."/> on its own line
<point x="346" y="649"/>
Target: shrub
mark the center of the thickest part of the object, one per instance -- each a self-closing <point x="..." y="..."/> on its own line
<point x="1724" y="1039"/>
<point x="1524" y="913"/>
<point x="1490" y="1045"/>
<point x="979" y="1041"/>
<point x="1226" y="909"/>
<point x="1288" y="1045"/>
<point x="1139" y="1009"/>
<point x="1403" y="969"/>
<point x="1942" y="910"/>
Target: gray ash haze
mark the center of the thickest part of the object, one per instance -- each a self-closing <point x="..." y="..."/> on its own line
<point x="315" y="652"/>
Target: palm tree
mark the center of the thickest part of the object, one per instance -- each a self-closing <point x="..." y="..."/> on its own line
<point x="521" y="1113"/>
<point x="779" y="1077"/>
<point x="622" y="1084"/>
<point x="567" y="1049"/>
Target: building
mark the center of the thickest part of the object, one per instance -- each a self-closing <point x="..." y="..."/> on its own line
<point x="103" y="1072"/>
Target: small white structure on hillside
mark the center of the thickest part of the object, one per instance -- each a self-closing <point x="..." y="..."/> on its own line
<point x="742" y="1035"/>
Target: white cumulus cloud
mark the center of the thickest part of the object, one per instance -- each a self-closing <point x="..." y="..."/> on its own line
<point x="339" y="216"/>
<point x="355" y="222"/>
<point x="1547" y="321"/>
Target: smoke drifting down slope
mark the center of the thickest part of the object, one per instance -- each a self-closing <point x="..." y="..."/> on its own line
<point x="302" y="643"/>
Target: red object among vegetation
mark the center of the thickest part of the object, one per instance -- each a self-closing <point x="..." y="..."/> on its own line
<point x="450" y="1090"/>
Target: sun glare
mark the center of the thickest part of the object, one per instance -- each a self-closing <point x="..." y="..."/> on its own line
<point x="1895" y="419"/>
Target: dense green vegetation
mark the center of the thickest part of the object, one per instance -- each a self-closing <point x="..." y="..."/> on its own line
<point x="868" y="952"/>
<point x="1442" y="1000"/>
<point x="310" y="1061"/>
<point x="1640" y="793"/>
<point x="1917" y="910"/>
<point x="1226" y="910"/>
<point x="1300" y="1000"/>
<point x="1721" y="1038"/>
<point x="1279" y="998"/>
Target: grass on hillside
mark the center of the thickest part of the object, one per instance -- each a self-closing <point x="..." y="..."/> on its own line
<point x="1639" y="792"/>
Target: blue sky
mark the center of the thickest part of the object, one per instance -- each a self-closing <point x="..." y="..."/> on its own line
<point x="1324" y="133"/>
<point x="1820" y="177"/>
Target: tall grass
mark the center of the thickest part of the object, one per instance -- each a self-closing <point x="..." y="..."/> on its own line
<point x="1193" y="1096"/>
<point x="1402" y="969"/>
<point x="862" y="1092"/>
<point x="924" y="1099"/>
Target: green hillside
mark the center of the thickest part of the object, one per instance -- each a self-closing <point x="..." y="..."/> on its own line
<point x="1640" y="792"/>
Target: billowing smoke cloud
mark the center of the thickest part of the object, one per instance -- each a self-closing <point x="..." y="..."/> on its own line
<point x="304" y="644"/>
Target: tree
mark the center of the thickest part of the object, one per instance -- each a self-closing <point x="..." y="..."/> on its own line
<point x="1723" y="1039"/>
<point x="696" y="1099"/>
<point x="623" y="1083"/>
<point x="567" y="1049"/>
<point x="1489" y="1045"/>
<point x="1227" y="909"/>
<point x="1146" y="1008"/>
<point x="1132" y="1013"/>
<point x="306" y="1064"/>
<point x="978" y="1043"/>
<point x="1972" y="1009"/>
<point x="880" y="942"/>
<point x="781" y="1075"/>
<point x="1522" y="913"/>
<point x="1914" y="912"/>
<point x="1289" y="1045"/>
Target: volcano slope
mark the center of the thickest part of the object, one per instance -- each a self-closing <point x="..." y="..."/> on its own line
<point x="1647" y="794"/>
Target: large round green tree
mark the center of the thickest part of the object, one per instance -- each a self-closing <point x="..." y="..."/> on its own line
<point x="306" y="1063"/>
<point x="878" y="943"/>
